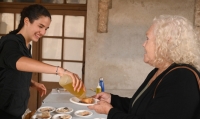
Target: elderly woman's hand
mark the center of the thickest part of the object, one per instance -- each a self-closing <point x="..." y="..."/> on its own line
<point x="103" y="96"/>
<point x="101" y="107"/>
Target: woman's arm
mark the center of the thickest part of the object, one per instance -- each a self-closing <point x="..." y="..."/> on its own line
<point x="31" y="65"/>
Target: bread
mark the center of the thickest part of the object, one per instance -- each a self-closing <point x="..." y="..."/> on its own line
<point x="84" y="113"/>
<point x="45" y="114"/>
<point x="45" y="109"/>
<point x="87" y="100"/>
<point x="64" y="117"/>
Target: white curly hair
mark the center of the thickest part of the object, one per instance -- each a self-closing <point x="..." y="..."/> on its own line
<point x="176" y="41"/>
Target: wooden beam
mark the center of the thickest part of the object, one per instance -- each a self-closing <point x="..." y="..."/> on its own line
<point x="103" y="11"/>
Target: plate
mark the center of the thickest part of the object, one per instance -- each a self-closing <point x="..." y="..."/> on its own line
<point x="51" y="109"/>
<point x="60" y="108"/>
<point x="35" y="117"/>
<point x="75" y="100"/>
<point x="78" y="113"/>
<point x="56" y="116"/>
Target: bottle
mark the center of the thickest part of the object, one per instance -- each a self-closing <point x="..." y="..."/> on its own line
<point x="66" y="82"/>
<point x="101" y="83"/>
<point x="98" y="89"/>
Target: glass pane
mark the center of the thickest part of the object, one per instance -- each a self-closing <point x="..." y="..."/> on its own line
<point x="6" y="0"/>
<point x="55" y="28"/>
<point x="51" y="77"/>
<point x="51" y="48"/>
<point x="74" y="26"/>
<point x="74" y="67"/>
<point x="53" y="1"/>
<point x="76" y="1"/>
<point x="73" y="50"/>
<point x="31" y="43"/>
<point x="25" y="0"/>
<point x="6" y="22"/>
<point x="17" y="20"/>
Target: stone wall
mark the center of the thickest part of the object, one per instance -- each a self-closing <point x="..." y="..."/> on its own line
<point x="117" y="55"/>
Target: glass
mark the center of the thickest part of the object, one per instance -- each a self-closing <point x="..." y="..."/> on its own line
<point x="17" y="20"/>
<point x="51" y="77"/>
<point x="74" y="67"/>
<point x="74" y="26"/>
<point x="66" y="82"/>
<point x="76" y="1"/>
<point x="53" y="1"/>
<point x="6" y="22"/>
<point x="51" y="48"/>
<point x="73" y="49"/>
<point x="55" y="28"/>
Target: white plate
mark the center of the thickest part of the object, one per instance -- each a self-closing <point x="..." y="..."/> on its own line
<point x="70" y="110"/>
<point x="79" y="111"/>
<point x="52" y="108"/>
<point x="35" y="117"/>
<point x="56" y="116"/>
<point x="75" y="100"/>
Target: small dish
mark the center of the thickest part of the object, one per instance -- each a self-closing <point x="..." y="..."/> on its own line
<point x="36" y="116"/>
<point x="57" y="116"/>
<point x="75" y="100"/>
<point x="62" y="110"/>
<point x="81" y="113"/>
<point x="46" y="108"/>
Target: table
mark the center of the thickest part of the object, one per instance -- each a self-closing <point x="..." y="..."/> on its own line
<point x="61" y="99"/>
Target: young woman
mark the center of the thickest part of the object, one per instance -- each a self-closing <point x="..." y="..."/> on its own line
<point x="165" y="94"/>
<point x="17" y="65"/>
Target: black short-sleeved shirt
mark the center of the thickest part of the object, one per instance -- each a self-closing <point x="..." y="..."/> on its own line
<point x="14" y="84"/>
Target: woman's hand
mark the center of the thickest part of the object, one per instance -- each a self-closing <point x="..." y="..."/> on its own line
<point x="39" y="87"/>
<point x="101" y="107"/>
<point x="103" y="96"/>
<point x="77" y="82"/>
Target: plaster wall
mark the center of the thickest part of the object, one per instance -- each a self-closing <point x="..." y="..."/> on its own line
<point x="117" y="55"/>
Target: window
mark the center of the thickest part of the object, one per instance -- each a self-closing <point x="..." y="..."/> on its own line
<point x="64" y="43"/>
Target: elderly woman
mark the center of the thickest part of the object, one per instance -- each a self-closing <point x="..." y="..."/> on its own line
<point x="170" y="90"/>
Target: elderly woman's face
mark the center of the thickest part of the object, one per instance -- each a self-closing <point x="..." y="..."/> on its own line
<point x="149" y="46"/>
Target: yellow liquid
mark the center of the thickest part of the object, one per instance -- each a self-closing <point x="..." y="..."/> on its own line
<point x="66" y="82"/>
<point x="98" y="90"/>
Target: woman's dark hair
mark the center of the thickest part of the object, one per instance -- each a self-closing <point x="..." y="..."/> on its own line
<point x="32" y="12"/>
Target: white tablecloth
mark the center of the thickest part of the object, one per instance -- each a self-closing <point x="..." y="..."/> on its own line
<point x="61" y="99"/>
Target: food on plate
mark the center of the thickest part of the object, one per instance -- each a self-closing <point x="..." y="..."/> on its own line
<point x="84" y="113"/>
<point x="29" y="115"/>
<point x="46" y="109"/>
<point x="44" y="115"/>
<point x="87" y="100"/>
<point x="64" y="117"/>
<point x="63" y="110"/>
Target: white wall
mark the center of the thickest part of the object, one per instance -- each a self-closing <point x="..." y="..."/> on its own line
<point x="117" y="56"/>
